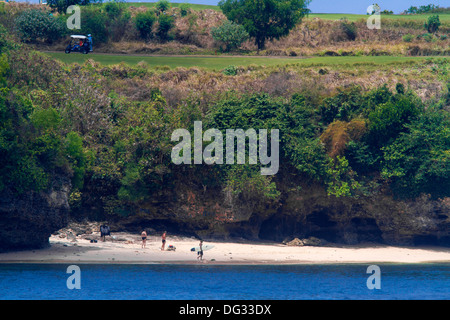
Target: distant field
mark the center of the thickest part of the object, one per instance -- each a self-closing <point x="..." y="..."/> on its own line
<point x="219" y="63"/>
<point x="355" y="17"/>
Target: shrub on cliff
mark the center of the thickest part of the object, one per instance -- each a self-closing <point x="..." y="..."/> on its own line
<point x="118" y="21"/>
<point x="165" y="24"/>
<point x="62" y="5"/>
<point x="247" y="183"/>
<point x="114" y="9"/>
<point x="419" y="159"/>
<point x="389" y="119"/>
<point x="144" y="23"/>
<point x="185" y="9"/>
<point x="35" y="24"/>
<point x="342" y="106"/>
<point x="433" y="24"/>
<point x="230" y="34"/>
<point x="78" y="158"/>
<point x="349" y="29"/>
<point x="30" y="144"/>
<point x="341" y="179"/>
<point x="95" y="21"/>
<point x="298" y="144"/>
<point x="387" y="115"/>
<point x="163" y="5"/>
<point x="408" y="37"/>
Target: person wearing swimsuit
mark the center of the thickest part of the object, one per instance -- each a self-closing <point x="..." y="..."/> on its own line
<point x="144" y="239"/>
<point x="163" y="237"/>
<point x="200" y="253"/>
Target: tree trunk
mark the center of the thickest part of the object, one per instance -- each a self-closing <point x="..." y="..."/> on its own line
<point x="261" y="43"/>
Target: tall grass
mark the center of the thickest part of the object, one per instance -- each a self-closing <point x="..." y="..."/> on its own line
<point x="195" y="7"/>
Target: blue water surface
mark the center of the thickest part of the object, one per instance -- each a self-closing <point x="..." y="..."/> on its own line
<point x="214" y="282"/>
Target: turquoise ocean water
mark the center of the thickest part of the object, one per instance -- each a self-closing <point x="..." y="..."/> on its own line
<point x="201" y="282"/>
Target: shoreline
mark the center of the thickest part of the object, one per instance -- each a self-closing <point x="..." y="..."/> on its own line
<point x="127" y="250"/>
<point x="217" y="263"/>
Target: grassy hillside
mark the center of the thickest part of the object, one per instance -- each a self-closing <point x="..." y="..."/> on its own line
<point x="190" y="33"/>
<point x="196" y="7"/>
<point x="325" y="16"/>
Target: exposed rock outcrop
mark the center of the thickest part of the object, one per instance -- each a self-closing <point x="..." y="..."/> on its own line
<point x="306" y="214"/>
<point x="311" y="241"/>
<point x="27" y="220"/>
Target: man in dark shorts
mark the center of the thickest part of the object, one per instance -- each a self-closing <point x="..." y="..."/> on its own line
<point x="200" y="253"/>
<point x="104" y="231"/>
<point x="163" y="237"/>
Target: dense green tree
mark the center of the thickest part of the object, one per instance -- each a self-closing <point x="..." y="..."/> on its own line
<point x="299" y="147"/>
<point x="30" y="143"/>
<point x="35" y="24"/>
<point x="265" y="19"/>
<point x="62" y="5"/>
<point x="118" y="19"/>
<point x="115" y="8"/>
<point x="341" y="178"/>
<point x="185" y="8"/>
<point x="389" y="119"/>
<point x="342" y="106"/>
<point x="162" y="5"/>
<point x="349" y="29"/>
<point x="418" y="161"/>
<point x="166" y="23"/>
<point x="433" y="24"/>
<point x="95" y="22"/>
<point x="78" y="158"/>
<point x="144" y="22"/>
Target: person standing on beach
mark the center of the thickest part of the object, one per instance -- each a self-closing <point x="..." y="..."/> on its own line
<point x="163" y="237"/>
<point x="200" y="252"/>
<point x="104" y="231"/>
<point x="144" y="239"/>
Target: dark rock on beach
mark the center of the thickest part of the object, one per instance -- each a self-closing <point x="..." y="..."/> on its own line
<point x="27" y="220"/>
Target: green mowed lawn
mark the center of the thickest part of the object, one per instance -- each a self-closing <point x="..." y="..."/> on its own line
<point x="220" y="62"/>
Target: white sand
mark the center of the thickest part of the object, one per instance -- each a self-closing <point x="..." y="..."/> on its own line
<point x="130" y="251"/>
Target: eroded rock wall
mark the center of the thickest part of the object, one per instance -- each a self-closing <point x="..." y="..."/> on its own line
<point x="302" y="214"/>
<point x="27" y="220"/>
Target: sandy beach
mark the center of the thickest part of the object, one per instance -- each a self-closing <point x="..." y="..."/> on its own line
<point x="126" y="248"/>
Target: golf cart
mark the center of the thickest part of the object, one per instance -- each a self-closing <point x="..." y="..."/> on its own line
<point x="79" y="43"/>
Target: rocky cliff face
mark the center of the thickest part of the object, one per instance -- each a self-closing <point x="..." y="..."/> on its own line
<point x="377" y="219"/>
<point x="27" y="220"/>
<point x="301" y="214"/>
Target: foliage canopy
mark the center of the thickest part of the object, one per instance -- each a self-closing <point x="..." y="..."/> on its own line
<point x="265" y="19"/>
